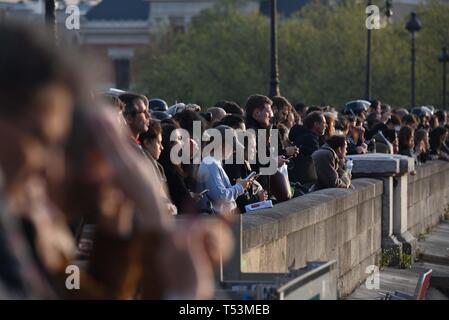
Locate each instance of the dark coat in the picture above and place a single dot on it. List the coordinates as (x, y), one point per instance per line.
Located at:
(405, 151)
(307, 141)
(264, 180)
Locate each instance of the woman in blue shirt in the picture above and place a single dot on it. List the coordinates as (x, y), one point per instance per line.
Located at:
(211, 175)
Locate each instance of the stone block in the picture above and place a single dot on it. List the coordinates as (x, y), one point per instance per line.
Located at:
(365, 216)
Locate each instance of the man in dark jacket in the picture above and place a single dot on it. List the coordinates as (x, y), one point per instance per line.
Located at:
(329, 164)
(306, 138)
(258, 117)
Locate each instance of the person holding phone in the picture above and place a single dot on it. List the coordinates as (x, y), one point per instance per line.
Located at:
(236, 172)
(222, 195)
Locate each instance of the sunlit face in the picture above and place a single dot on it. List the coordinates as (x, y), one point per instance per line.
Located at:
(54, 109)
(331, 127)
(320, 127)
(283, 113)
(140, 120)
(263, 116)
(154, 147)
(411, 141)
(290, 120)
(47, 126)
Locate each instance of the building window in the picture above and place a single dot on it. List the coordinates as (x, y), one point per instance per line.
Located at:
(122, 73)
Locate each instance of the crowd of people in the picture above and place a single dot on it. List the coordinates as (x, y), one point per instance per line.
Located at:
(71, 157)
(314, 144)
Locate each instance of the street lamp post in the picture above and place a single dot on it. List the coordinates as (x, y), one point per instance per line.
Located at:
(388, 13)
(274, 82)
(368, 63)
(413, 26)
(444, 58)
(50, 16)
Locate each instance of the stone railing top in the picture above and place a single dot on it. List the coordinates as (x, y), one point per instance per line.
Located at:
(270, 224)
(382, 164)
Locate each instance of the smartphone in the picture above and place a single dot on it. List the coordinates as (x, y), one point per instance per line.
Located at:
(252, 174)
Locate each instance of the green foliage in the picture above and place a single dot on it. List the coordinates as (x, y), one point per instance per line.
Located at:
(387, 257)
(406, 261)
(322, 53)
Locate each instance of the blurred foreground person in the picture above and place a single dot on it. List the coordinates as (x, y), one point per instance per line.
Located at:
(103, 179)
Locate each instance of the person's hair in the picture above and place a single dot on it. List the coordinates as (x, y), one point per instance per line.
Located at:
(280, 102)
(283, 133)
(113, 101)
(401, 112)
(296, 116)
(329, 116)
(154, 129)
(129, 100)
(390, 134)
(441, 116)
(404, 136)
(372, 119)
(374, 104)
(433, 121)
(314, 109)
(409, 120)
(342, 124)
(300, 107)
(254, 102)
(29, 61)
(232, 107)
(385, 108)
(312, 118)
(435, 137)
(420, 135)
(233, 121)
(336, 141)
(164, 159)
(222, 129)
(216, 112)
(186, 119)
(394, 120)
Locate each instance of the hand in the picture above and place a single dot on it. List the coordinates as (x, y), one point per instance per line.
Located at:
(361, 150)
(292, 151)
(186, 258)
(263, 195)
(196, 196)
(172, 210)
(282, 161)
(244, 183)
